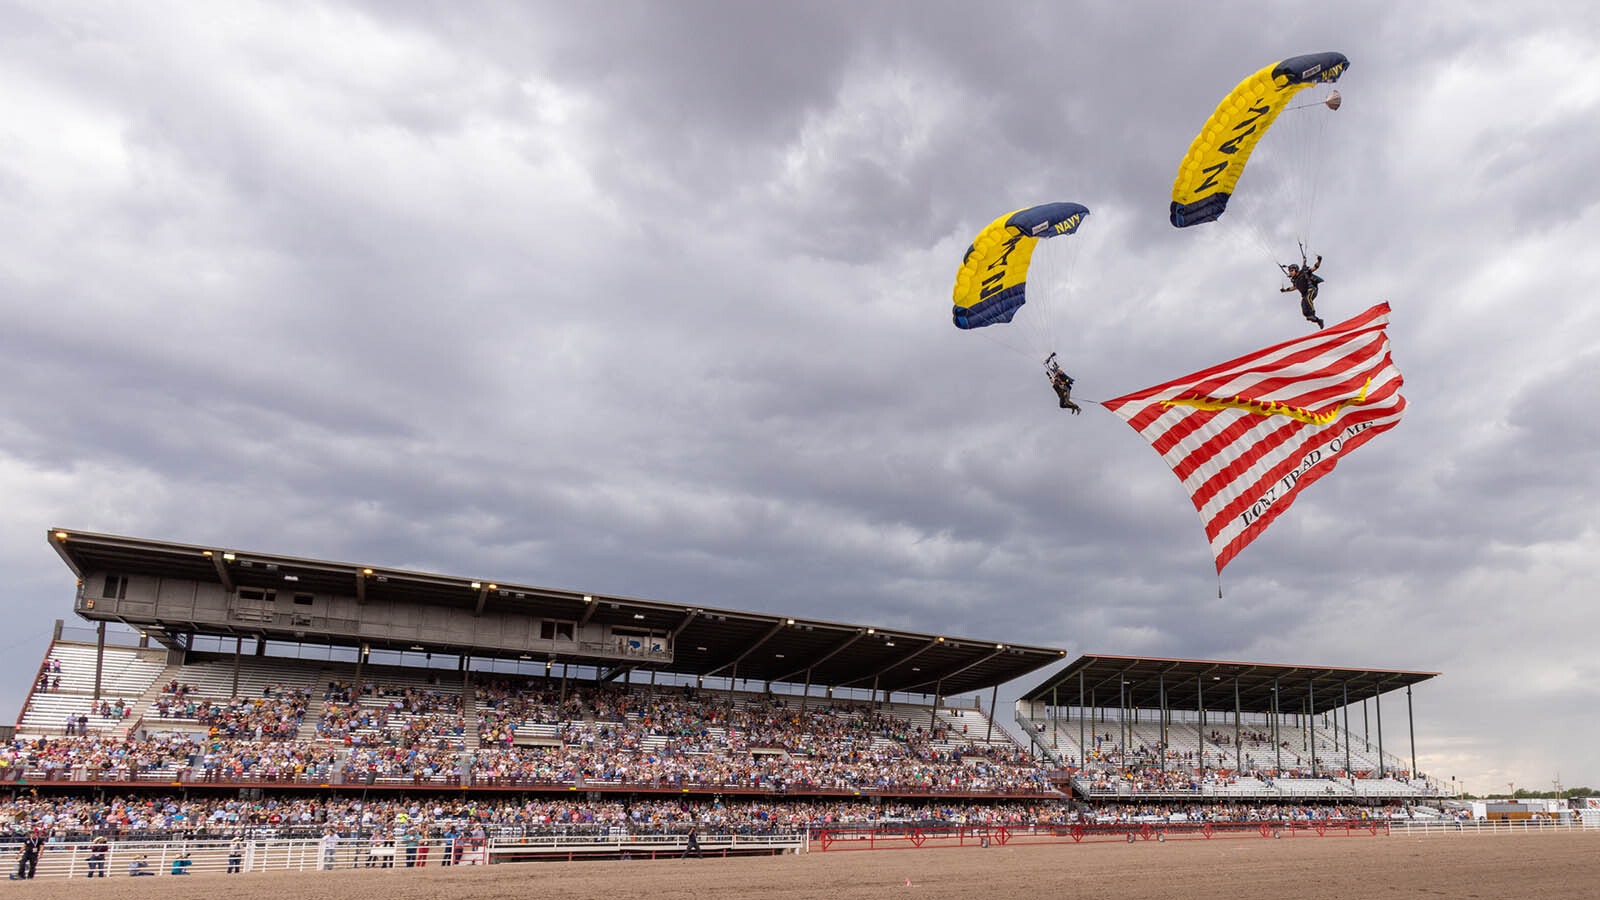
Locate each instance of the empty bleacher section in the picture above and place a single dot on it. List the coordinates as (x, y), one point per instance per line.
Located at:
(65, 686)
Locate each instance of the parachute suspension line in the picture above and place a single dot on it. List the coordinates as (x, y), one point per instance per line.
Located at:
(1049, 285)
(989, 335)
(1305, 145)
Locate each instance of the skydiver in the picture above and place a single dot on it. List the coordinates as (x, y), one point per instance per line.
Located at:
(1301, 279)
(1062, 382)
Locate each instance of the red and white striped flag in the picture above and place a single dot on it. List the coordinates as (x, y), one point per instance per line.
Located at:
(1246, 436)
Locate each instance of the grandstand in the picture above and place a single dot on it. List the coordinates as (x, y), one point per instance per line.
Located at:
(1227, 730)
(518, 687)
(297, 696)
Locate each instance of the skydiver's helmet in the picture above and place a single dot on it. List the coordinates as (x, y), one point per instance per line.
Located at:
(1294, 267)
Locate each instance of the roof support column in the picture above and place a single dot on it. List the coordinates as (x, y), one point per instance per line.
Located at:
(1411, 724)
(100, 658)
(1122, 717)
(805, 694)
(1084, 715)
(1277, 743)
(1161, 687)
(1055, 731)
(938, 700)
(1311, 705)
(238, 651)
(1347, 729)
(1200, 723)
(994, 697)
(1238, 761)
(1377, 705)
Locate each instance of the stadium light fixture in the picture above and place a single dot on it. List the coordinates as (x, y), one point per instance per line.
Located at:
(61, 535)
(367, 572)
(788, 621)
(205, 553)
(229, 557)
(587, 598)
(494, 587)
(476, 585)
(872, 631)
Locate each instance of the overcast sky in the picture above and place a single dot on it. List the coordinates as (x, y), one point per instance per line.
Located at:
(654, 299)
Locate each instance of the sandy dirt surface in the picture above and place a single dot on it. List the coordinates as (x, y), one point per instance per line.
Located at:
(1334, 868)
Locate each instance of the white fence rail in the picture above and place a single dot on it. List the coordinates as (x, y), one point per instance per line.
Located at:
(177, 858)
(1493, 826)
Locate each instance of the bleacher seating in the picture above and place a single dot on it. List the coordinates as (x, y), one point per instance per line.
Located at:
(1203, 760)
(126, 674)
(225, 718)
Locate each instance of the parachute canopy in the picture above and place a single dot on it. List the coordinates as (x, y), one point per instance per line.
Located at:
(1210, 170)
(992, 282)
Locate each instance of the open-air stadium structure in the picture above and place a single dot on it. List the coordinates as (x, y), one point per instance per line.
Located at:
(241, 680)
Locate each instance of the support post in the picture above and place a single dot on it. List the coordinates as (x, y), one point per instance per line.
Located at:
(100, 655)
(994, 697)
(1377, 705)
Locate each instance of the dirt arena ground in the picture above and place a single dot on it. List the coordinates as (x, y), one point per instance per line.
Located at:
(1333, 868)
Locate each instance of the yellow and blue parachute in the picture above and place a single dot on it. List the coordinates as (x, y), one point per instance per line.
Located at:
(993, 280)
(1210, 170)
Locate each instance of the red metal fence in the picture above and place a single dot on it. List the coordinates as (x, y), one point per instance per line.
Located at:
(911, 837)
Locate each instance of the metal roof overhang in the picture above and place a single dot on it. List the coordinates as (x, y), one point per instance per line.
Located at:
(1154, 683)
(706, 641)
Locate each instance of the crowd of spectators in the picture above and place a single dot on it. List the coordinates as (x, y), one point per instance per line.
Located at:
(401, 716)
(600, 735)
(142, 817)
(274, 716)
(541, 732)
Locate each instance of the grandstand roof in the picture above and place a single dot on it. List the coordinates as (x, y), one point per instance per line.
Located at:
(1188, 682)
(707, 641)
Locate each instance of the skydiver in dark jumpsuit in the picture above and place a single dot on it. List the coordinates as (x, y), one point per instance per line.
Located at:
(1301, 279)
(1062, 382)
